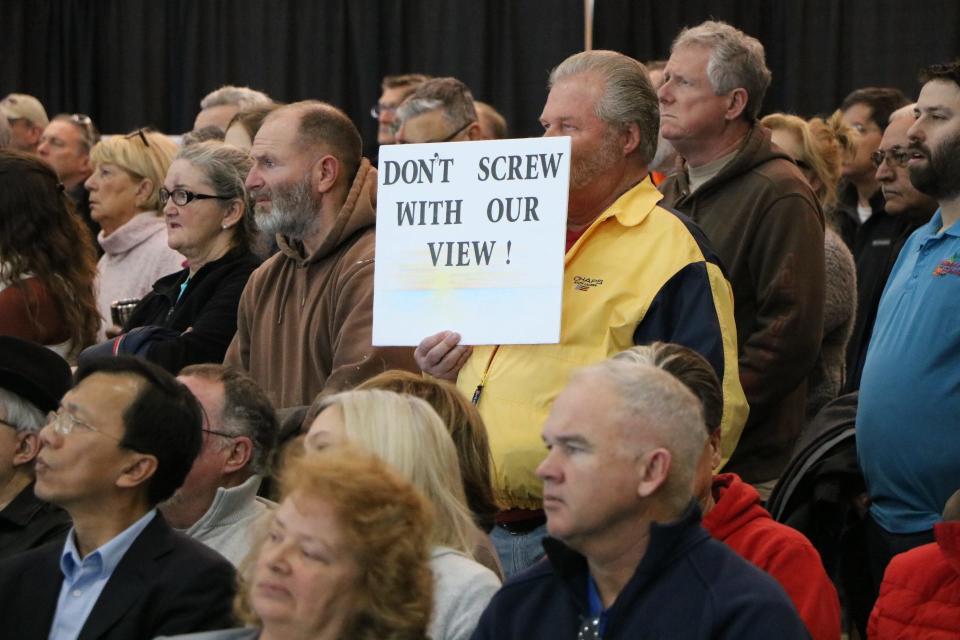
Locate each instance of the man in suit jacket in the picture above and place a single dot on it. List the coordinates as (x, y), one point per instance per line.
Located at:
(121, 442)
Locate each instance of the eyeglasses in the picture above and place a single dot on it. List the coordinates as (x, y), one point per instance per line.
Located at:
(895, 157)
(182, 197)
(222, 434)
(64, 423)
(378, 109)
(447, 139)
(139, 132)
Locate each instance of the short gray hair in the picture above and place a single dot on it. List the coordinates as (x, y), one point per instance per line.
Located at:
(449, 95)
(20, 412)
(226, 167)
(242, 97)
(736, 61)
(656, 402)
(246, 411)
(629, 96)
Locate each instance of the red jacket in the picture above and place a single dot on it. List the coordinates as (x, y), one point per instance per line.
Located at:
(738, 520)
(920, 595)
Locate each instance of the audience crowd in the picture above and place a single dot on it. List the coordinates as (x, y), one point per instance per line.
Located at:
(198, 438)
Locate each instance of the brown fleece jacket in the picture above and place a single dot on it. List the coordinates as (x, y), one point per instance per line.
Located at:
(766, 225)
(304, 322)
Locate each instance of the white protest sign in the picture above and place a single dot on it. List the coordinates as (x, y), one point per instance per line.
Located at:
(471, 238)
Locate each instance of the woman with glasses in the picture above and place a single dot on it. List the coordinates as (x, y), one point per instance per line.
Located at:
(818, 148)
(47, 260)
(406, 433)
(125, 201)
(209, 219)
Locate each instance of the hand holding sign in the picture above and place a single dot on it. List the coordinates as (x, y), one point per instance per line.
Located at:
(470, 238)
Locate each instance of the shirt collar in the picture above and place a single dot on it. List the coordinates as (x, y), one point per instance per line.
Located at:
(107, 556)
(933, 227)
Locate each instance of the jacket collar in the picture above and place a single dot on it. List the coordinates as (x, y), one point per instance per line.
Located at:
(136, 231)
(668, 543)
(228, 506)
(23, 508)
(736, 504)
(125, 585)
(169, 285)
(630, 209)
(947, 535)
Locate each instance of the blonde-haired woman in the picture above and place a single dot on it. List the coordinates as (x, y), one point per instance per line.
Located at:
(128, 172)
(818, 148)
(409, 435)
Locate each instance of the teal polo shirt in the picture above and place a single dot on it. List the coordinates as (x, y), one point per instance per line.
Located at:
(908, 420)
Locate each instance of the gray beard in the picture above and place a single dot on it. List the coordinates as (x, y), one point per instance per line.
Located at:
(293, 211)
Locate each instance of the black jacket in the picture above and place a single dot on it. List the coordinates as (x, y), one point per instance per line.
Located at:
(29, 522)
(208, 308)
(688, 585)
(166, 583)
(875, 245)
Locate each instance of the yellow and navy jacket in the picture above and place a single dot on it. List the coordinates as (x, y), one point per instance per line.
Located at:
(638, 274)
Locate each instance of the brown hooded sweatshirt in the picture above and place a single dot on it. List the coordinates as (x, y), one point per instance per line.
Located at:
(304, 322)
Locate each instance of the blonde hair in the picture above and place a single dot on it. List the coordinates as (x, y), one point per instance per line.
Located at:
(408, 435)
(466, 427)
(139, 160)
(823, 143)
(384, 521)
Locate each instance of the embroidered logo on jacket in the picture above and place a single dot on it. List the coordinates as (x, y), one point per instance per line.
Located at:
(581, 283)
(948, 266)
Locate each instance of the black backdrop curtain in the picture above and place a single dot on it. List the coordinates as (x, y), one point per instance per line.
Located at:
(818, 50)
(129, 63)
(135, 62)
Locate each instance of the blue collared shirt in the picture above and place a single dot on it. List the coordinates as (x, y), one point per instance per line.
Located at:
(84, 579)
(908, 420)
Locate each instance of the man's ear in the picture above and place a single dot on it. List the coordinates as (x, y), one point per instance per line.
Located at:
(736, 104)
(654, 468)
(140, 469)
(715, 449)
(325, 172)
(631, 138)
(241, 450)
(27, 448)
(474, 132)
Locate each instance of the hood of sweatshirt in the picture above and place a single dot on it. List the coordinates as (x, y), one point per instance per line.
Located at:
(737, 503)
(358, 212)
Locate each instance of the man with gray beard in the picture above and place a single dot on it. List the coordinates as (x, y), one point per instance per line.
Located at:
(304, 322)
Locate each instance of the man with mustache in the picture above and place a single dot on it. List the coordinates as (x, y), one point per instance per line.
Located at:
(305, 317)
(906, 436)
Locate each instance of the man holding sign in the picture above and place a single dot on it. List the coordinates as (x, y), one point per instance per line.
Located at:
(634, 272)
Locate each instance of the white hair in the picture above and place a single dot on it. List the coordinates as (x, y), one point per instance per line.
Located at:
(20, 412)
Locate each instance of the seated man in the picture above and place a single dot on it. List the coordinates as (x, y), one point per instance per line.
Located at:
(439, 110)
(218, 503)
(122, 442)
(627, 558)
(305, 317)
(732, 512)
(32, 381)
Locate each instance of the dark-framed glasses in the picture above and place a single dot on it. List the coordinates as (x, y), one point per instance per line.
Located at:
(65, 423)
(895, 157)
(182, 197)
(447, 139)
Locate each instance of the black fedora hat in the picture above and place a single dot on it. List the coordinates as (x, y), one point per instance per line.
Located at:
(33, 372)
